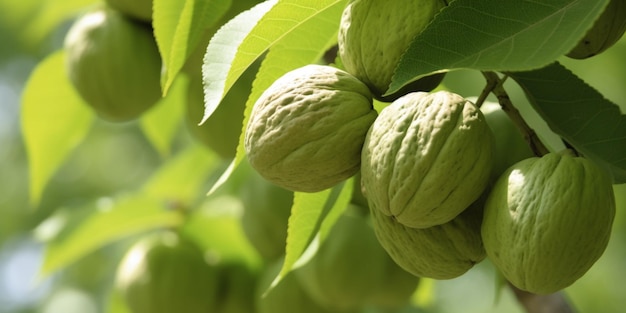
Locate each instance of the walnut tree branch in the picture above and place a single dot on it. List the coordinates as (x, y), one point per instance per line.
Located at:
(491, 84)
(530, 135)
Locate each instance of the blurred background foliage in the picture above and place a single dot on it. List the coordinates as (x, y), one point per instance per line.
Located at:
(114, 158)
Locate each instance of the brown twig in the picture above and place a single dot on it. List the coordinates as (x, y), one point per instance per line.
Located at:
(533, 303)
(530, 135)
(491, 84)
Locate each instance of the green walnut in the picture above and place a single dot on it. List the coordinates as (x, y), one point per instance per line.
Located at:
(441, 252)
(547, 220)
(138, 9)
(265, 217)
(307, 129)
(337, 276)
(165, 272)
(604, 33)
(114, 64)
(373, 36)
(426, 158)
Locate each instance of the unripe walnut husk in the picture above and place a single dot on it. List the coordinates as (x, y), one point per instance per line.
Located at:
(547, 221)
(307, 129)
(426, 158)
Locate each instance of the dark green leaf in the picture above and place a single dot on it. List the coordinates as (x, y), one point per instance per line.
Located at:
(580, 114)
(487, 35)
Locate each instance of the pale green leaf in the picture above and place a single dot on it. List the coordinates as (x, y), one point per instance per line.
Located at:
(304, 45)
(175, 186)
(178, 27)
(20, 12)
(339, 206)
(216, 226)
(54, 121)
(117, 303)
(161, 123)
(489, 35)
(424, 296)
(109, 222)
(222, 52)
(313, 214)
(35, 20)
(181, 179)
(235, 47)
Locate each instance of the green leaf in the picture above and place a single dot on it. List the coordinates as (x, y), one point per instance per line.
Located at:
(424, 295)
(109, 222)
(236, 46)
(181, 179)
(35, 20)
(313, 215)
(304, 45)
(222, 54)
(217, 227)
(175, 185)
(489, 35)
(54, 121)
(116, 302)
(178, 27)
(579, 114)
(162, 121)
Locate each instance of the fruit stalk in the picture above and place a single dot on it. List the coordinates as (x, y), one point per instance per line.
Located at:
(538, 148)
(533, 303)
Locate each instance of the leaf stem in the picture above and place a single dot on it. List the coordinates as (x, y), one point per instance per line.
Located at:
(498, 90)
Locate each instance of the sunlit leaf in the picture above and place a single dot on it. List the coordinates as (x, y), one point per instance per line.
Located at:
(178, 27)
(313, 214)
(580, 114)
(304, 45)
(424, 295)
(117, 303)
(34, 20)
(110, 222)
(216, 226)
(180, 179)
(161, 123)
(54, 121)
(15, 13)
(486, 35)
(236, 46)
(160, 203)
(221, 54)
